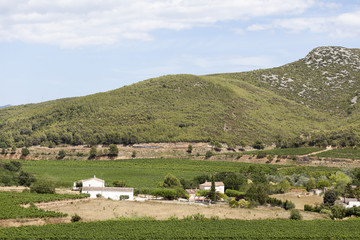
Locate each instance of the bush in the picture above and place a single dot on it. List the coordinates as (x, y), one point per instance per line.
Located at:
(113, 150)
(209, 154)
(258, 145)
(261, 155)
(124, 197)
(233, 203)
(61, 154)
(243, 203)
(119, 184)
(75, 218)
(190, 148)
(295, 214)
(274, 202)
(42, 187)
(288, 205)
(338, 211)
(25, 152)
(169, 194)
(234, 193)
(93, 152)
(308, 208)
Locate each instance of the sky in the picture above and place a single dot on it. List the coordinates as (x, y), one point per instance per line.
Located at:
(65, 48)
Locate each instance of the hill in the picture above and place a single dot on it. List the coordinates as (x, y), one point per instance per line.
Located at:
(314, 94)
(5, 106)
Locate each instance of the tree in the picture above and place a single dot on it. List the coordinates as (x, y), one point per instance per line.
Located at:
(93, 152)
(310, 184)
(25, 179)
(257, 193)
(330, 197)
(25, 152)
(357, 192)
(42, 187)
(113, 150)
(13, 149)
(284, 186)
(322, 183)
(134, 154)
(209, 154)
(190, 148)
(212, 190)
(170, 181)
(348, 191)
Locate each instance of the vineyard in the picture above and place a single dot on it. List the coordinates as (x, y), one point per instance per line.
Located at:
(10, 204)
(341, 153)
(146, 173)
(195, 229)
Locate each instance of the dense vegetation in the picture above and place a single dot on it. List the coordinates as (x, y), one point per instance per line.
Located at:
(10, 204)
(279, 105)
(341, 153)
(186, 229)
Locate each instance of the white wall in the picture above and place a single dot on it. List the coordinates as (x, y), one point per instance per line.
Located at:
(220, 189)
(109, 194)
(93, 183)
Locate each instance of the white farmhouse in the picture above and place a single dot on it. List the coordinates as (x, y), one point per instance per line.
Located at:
(113, 193)
(219, 186)
(96, 187)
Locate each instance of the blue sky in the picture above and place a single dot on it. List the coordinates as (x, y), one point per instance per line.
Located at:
(62, 48)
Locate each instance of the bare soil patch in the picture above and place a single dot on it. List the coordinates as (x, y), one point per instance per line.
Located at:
(299, 201)
(102, 209)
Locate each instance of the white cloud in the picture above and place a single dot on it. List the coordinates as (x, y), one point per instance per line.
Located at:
(71, 23)
(346, 25)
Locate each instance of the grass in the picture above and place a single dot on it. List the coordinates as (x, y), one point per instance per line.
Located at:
(341, 153)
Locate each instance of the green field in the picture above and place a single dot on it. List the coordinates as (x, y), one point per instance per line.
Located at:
(135, 172)
(10, 204)
(281, 151)
(194, 229)
(341, 153)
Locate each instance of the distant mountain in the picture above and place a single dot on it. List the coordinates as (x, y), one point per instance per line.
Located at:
(314, 95)
(5, 106)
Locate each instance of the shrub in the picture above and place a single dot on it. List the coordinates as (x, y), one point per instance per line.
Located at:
(190, 148)
(295, 214)
(209, 154)
(75, 218)
(98, 195)
(338, 211)
(233, 203)
(243, 203)
(288, 205)
(233, 193)
(133, 154)
(258, 145)
(261, 155)
(169, 194)
(43, 187)
(93, 152)
(326, 211)
(61, 154)
(275, 202)
(308, 208)
(25, 152)
(113, 150)
(124, 197)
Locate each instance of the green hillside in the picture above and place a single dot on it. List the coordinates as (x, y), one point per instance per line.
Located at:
(312, 95)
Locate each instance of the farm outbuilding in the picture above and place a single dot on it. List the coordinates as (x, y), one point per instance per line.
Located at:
(219, 186)
(114, 193)
(96, 187)
(91, 182)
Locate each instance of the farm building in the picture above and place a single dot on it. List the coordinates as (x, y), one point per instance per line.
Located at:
(91, 182)
(96, 187)
(114, 193)
(219, 186)
(353, 204)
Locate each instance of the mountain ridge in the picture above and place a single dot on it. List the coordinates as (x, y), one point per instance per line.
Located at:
(314, 94)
